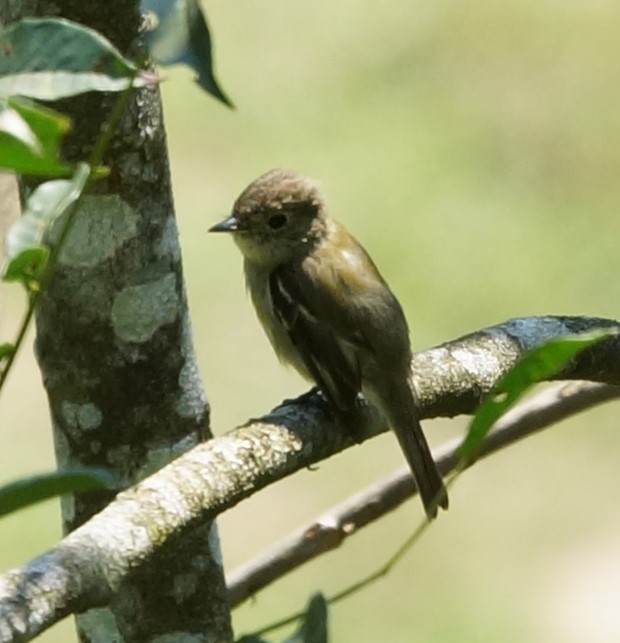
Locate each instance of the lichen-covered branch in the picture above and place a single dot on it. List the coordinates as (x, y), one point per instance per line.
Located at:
(90, 565)
(452, 378)
(333, 527)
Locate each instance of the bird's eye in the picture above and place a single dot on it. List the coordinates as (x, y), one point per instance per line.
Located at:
(276, 221)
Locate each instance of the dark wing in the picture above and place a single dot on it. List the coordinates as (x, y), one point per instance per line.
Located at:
(329, 356)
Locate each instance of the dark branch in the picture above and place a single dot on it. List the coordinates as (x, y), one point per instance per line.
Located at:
(452, 378)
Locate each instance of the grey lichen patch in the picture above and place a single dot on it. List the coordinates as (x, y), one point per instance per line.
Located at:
(475, 359)
(139, 311)
(168, 246)
(95, 447)
(214, 545)
(259, 444)
(179, 637)
(61, 446)
(191, 401)
(99, 626)
(102, 224)
(159, 456)
(67, 504)
(201, 562)
(118, 458)
(69, 413)
(91, 296)
(85, 417)
(184, 586)
(89, 416)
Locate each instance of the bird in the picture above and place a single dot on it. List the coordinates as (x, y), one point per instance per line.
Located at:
(328, 312)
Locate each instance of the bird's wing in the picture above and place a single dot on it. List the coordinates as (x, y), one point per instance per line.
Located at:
(329, 358)
(329, 306)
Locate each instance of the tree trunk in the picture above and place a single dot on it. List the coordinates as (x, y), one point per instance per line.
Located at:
(115, 348)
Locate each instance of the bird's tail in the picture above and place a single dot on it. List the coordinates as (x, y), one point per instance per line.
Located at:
(426, 475)
(402, 415)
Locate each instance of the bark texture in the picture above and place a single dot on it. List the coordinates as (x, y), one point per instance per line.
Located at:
(115, 348)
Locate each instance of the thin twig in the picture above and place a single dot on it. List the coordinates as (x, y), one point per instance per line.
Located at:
(331, 529)
(21, 334)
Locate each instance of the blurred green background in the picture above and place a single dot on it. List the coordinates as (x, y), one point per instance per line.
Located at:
(474, 149)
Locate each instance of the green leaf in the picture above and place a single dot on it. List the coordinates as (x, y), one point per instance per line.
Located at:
(15, 127)
(52, 58)
(313, 628)
(181, 35)
(30, 137)
(28, 491)
(537, 365)
(6, 350)
(27, 266)
(26, 256)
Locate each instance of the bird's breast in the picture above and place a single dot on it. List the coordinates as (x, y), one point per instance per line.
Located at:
(257, 282)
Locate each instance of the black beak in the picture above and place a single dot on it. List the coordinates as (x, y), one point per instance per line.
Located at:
(231, 224)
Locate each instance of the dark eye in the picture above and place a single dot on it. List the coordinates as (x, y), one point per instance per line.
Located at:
(276, 221)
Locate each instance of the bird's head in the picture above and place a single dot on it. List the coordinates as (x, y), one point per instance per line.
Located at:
(277, 217)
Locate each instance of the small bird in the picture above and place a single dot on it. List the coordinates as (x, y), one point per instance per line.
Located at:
(328, 312)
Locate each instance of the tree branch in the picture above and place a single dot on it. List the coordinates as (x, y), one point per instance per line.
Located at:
(331, 529)
(88, 567)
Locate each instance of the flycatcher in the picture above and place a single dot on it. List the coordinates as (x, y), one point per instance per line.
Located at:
(328, 312)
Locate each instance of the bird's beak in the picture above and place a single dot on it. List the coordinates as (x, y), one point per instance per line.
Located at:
(230, 224)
